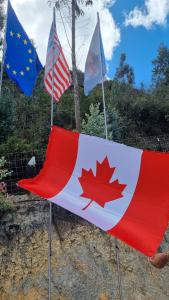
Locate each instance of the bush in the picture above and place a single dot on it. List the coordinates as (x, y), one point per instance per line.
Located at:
(3, 172)
(5, 205)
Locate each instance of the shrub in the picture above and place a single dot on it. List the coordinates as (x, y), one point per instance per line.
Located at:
(5, 205)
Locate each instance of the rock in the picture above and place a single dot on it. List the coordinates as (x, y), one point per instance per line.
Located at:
(103, 297)
(83, 259)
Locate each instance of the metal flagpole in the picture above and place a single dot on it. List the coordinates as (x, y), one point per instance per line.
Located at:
(104, 107)
(50, 204)
(2, 69)
(118, 268)
(3, 54)
(103, 93)
(106, 134)
(50, 249)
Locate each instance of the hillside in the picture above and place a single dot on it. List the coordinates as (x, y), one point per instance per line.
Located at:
(83, 259)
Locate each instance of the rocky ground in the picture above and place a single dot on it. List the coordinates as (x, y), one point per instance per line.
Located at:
(83, 259)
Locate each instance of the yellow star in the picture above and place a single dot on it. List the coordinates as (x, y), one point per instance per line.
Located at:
(18, 35)
(30, 60)
(30, 51)
(11, 33)
(27, 68)
(25, 42)
(22, 73)
(14, 72)
(7, 66)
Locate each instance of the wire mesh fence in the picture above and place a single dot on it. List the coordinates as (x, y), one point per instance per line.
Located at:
(155, 143)
(17, 162)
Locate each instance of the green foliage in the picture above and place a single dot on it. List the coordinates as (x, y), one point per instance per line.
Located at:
(117, 122)
(5, 205)
(94, 123)
(6, 112)
(15, 145)
(131, 112)
(161, 67)
(3, 171)
(124, 72)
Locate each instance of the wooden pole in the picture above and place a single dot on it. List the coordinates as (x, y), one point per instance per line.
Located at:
(74, 69)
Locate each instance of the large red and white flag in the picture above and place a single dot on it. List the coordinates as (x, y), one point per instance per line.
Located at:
(57, 75)
(122, 190)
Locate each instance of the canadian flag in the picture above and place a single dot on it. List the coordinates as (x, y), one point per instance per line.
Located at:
(122, 190)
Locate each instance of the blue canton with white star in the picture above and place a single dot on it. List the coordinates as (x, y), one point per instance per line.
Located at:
(21, 60)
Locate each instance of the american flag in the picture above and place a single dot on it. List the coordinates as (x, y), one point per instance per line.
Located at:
(56, 68)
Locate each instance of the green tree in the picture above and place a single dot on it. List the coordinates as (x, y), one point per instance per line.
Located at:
(124, 73)
(94, 122)
(161, 67)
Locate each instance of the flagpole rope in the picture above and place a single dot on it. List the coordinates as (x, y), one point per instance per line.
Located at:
(82, 54)
(65, 29)
(3, 53)
(106, 135)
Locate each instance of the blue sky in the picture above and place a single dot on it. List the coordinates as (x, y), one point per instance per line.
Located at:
(136, 27)
(139, 43)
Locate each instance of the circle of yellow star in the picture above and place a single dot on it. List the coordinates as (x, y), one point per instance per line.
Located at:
(25, 42)
(22, 73)
(30, 60)
(30, 51)
(18, 35)
(14, 72)
(27, 68)
(7, 66)
(11, 33)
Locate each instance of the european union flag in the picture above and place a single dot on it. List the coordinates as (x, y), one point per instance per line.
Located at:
(21, 60)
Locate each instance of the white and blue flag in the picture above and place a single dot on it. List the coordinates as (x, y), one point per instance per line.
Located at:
(95, 67)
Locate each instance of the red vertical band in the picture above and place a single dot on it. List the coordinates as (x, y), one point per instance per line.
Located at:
(60, 161)
(145, 221)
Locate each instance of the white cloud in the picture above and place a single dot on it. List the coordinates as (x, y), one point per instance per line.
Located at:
(36, 18)
(154, 12)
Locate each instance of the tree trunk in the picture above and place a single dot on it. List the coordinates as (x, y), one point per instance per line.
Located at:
(74, 69)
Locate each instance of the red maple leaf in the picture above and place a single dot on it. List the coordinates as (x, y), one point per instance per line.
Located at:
(98, 188)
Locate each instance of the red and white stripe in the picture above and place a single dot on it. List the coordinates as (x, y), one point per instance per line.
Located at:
(57, 75)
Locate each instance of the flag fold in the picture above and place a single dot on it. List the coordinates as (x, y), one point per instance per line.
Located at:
(95, 67)
(57, 75)
(121, 189)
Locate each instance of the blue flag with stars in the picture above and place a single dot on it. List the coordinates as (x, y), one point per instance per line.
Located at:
(21, 60)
